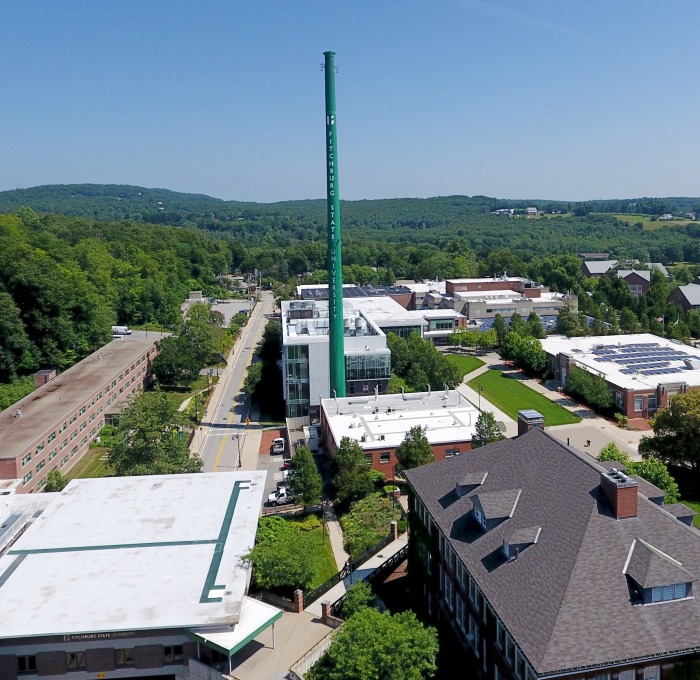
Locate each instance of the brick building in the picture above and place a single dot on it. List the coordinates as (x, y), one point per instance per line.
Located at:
(642, 370)
(538, 563)
(379, 424)
(53, 426)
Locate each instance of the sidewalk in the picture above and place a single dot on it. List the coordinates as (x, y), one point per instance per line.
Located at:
(511, 427)
(593, 428)
(364, 570)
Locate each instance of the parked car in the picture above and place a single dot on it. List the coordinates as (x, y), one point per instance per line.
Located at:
(280, 497)
(278, 445)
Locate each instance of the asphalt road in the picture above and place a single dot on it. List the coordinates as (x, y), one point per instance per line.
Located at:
(223, 432)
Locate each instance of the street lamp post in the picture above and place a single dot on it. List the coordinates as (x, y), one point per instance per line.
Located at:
(481, 388)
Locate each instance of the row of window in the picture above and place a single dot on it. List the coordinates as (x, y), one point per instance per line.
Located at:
(83, 410)
(384, 457)
(77, 660)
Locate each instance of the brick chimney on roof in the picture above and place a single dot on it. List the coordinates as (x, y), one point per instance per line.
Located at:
(529, 418)
(621, 492)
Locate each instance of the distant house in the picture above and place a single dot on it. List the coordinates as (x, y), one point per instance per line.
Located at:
(594, 256)
(666, 217)
(639, 282)
(597, 268)
(687, 297)
(530, 211)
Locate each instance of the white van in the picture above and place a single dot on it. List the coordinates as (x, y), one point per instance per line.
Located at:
(121, 330)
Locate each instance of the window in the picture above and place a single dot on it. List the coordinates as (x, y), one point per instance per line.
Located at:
(83, 425)
(519, 665)
(500, 635)
(124, 657)
(368, 458)
(83, 441)
(638, 403)
(460, 612)
(73, 434)
(91, 418)
(449, 591)
(627, 675)
(41, 466)
(172, 653)
(42, 483)
(40, 447)
(64, 460)
(651, 402)
(64, 443)
(602, 676)
(52, 455)
(479, 517)
(666, 593)
(451, 452)
(461, 574)
(619, 400)
(99, 396)
(27, 478)
(74, 450)
(510, 648)
(384, 457)
(52, 436)
(475, 633)
(26, 459)
(26, 663)
(63, 427)
(73, 418)
(75, 660)
(82, 410)
(652, 672)
(472, 591)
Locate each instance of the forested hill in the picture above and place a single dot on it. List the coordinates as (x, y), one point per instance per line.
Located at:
(160, 206)
(64, 281)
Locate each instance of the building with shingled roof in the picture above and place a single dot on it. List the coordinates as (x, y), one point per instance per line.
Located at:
(544, 564)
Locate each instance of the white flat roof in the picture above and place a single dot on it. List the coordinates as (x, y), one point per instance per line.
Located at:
(636, 362)
(132, 554)
(255, 617)
(448, 418)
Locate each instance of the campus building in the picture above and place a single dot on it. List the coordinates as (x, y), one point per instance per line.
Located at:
(379, 423)
(366, 321)
(479, 299)
(538, 563)
(130, 577)
(53, 426)
(642, 370)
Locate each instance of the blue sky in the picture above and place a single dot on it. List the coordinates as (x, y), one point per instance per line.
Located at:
(558, 99)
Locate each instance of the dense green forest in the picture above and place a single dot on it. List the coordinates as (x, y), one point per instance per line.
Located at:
(64, 282)
(75, 259)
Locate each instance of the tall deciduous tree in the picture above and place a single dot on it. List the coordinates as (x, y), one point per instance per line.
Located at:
(592, 389)
(486, 430)
(414, 450)
(304, 478)
(376, 645)
(353, 475)
(676, 431)
(149, 441)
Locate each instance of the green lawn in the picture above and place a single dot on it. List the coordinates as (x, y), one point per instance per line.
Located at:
(91, 465)
(510, 396)
(464, 362)
(321, 557)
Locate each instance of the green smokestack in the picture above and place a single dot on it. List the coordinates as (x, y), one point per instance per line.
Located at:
(335, 268)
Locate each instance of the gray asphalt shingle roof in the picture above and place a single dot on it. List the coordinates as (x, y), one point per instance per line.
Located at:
(565, 600)
(650, 567)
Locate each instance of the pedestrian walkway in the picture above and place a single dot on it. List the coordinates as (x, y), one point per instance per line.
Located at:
(591, 434)
(336, 536)
(359, 574)
(479, 401)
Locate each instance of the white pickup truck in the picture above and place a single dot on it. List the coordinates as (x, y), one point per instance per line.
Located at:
(280, 497)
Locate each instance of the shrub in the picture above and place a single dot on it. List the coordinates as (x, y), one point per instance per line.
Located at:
(621, 419)
(367, 522)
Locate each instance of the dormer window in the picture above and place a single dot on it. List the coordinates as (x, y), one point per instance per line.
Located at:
(479, 516)
(655, 576)
(666, 593)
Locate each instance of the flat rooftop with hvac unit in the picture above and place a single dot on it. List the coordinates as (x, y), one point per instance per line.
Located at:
(379, 423)
(118, 575)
